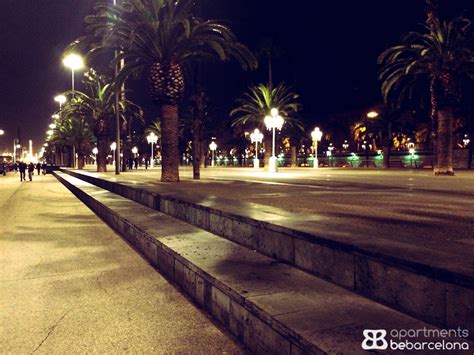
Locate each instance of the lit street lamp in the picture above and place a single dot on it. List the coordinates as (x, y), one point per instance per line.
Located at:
(134, 151)
(274, 121)
(372, 114)
(256, 137)
(345, 145)
(316, 135)
(60, 99)
(212, 147)
(95, 151)
(113, 146)
(466, 140)
(2, 132)
(152, 138)
(74, 62)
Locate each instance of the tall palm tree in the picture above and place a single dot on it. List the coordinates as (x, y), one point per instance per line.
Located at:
(436, 60)
(257, 102)
(97, 105)
(163, 37)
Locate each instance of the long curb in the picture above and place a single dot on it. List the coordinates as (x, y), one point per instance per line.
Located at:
(259, 331)
(434, 295)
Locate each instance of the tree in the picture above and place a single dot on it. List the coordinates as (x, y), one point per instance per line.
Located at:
(163, 37)
(74, 132)
(97, 105)
(257, 102)
(436, 61)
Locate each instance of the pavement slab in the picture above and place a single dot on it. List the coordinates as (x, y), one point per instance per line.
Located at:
(70, 284)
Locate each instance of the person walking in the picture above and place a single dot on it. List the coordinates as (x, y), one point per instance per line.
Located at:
(22, 168)
(38, 168)
(31, 170)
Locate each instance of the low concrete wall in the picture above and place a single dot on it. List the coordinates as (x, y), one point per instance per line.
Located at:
(434, 295)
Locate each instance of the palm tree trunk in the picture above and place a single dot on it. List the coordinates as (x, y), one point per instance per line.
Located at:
(169, 142)
(197, 139)
(444, 151)
(387, 147)
(80, 161)
(293, 156)
(102, 147)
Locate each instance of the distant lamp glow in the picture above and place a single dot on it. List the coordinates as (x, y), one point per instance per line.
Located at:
(113, 146)
(466, 140)
(275, 121)
(212, 147)
(135, 150)
(345, 145)
(152, 138)
(256, 137)
(2, 132)
(372, 114)
(316, 136)
(60, 99)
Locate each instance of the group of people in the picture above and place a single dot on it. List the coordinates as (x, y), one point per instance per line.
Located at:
(132, 162)
(30, 167)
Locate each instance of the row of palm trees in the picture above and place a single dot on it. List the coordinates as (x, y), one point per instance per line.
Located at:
(168, 44)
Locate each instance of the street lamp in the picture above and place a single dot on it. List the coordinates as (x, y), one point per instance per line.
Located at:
(134, 151)
(274, 121)
(316, 135)
(372, 114)
(2, 132)
(212, 147)
(345, 145)
(60, 99)
(466, 140)
(95, 151)
(74, 62)
(256, 137)
(152, 138)
(113, 146)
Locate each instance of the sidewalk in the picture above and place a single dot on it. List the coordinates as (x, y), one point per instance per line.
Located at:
(69, 284)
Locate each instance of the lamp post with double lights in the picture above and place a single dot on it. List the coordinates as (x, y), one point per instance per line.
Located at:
(256, 137)
(274, 121)
(316, 136)
(212, 147)
(152, 138)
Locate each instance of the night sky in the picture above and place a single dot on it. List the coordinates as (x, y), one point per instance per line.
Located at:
(329, 51)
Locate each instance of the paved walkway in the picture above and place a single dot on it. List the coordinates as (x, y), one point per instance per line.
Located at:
(69, 284)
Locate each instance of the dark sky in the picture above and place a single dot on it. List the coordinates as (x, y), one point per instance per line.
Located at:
(329, 51)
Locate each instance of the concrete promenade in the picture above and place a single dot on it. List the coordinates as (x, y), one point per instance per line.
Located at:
(69, 284)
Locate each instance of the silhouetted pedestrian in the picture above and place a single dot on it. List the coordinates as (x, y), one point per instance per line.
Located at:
(38, 168)
(31, 170)
(130, 163)
(22, 168)
(146, 162)
(135, 161)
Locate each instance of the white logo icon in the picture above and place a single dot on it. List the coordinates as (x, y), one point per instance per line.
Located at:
(374, 339)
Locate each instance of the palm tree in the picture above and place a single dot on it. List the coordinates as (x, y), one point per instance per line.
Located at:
(97, 105)
(257, 102)
(74, 132)
(435, 60)
(162, 37)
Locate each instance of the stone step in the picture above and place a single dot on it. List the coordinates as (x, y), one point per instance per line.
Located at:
(430, 284)
(270, 306)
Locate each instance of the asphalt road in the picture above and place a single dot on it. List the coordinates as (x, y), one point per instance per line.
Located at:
(69, 284)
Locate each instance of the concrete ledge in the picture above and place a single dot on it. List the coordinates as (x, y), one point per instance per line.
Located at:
(271, 307)
(406, 284)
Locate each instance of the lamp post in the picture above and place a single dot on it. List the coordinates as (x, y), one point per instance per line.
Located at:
(466, 140)
(134, 151)
(256, 137)
(60, 99)
(113, 147)
(412, 155)
(212, 147)
(95, 151)
(316, 135)
(74, 62)
(345, 145)
(152, 138)
(273, 121)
